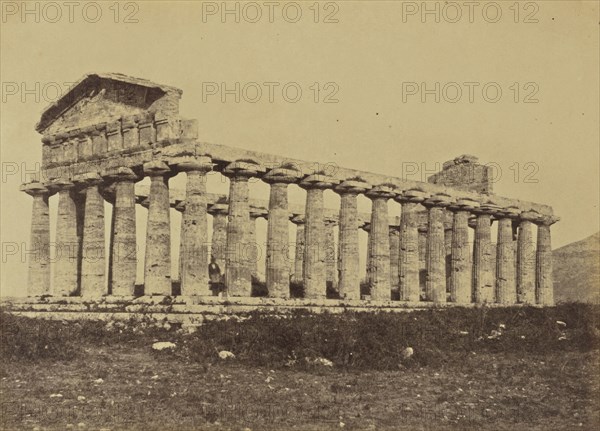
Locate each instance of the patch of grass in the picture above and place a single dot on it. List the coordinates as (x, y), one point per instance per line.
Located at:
(376, 341)
(33, 340)
(359, 341)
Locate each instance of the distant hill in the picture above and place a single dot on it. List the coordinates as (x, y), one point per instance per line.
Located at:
(576, 271)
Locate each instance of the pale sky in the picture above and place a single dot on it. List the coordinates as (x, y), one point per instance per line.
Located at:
(374, 51)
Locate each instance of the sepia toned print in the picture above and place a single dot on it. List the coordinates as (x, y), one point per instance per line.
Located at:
(300, 215)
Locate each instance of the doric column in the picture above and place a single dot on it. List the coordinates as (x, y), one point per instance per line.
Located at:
(39, 257)
(157, 264)
(379, 242)
(238, 281)
(254, 249)
(277, 272)
(435, 284)
(366, 226)
(526, 258)
(315, 285)
(483, 256)
(349, 282)
(123, 247)
(544, 290)
(330, 253)
(422, 246)
(461, 271)
(193, 249)
(299, 253)
(394, 235)
(93, 279)
(218, 243)
(506, 283)
(67, 242)
(448, 224)
(408, 260)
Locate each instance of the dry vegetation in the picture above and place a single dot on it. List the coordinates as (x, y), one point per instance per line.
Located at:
(480, 369)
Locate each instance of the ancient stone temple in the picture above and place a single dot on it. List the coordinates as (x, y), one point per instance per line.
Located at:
(110, 131)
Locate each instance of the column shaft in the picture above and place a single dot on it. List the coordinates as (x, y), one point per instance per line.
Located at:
(349, 249)
(124, 246)
(194, 237)
(408, 263)
(277, 272)
(219, 238)
(314, 254)
(330, 256)
(525, 264)
(67, 245)
(483, 263)
(379, 245)
(435, 285)
(544, 291)
(252, 252)
(39, 259)
(506, 287)
(299, 256)
(461, 272)
(93, 258)
(238, 281)
(394, 238)
(158, 239)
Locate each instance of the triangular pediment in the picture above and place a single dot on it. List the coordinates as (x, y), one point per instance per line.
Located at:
(99, 98)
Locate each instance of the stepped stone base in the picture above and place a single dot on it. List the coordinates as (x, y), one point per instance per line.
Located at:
(195, 310)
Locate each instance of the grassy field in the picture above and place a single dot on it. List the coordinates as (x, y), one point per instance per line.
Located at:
(494, 369)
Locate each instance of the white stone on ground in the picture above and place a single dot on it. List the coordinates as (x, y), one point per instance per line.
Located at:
(161, 345)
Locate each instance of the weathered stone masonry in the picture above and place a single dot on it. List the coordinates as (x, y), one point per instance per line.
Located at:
(110, 131)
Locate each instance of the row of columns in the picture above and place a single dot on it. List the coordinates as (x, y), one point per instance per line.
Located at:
(392, 256)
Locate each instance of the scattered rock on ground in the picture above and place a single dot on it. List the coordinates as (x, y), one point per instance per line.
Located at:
(161, 345)
(226, 354)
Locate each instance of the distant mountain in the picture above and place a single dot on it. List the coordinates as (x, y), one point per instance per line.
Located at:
(576, 271)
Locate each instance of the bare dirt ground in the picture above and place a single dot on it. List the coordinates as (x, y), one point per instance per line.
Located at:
(132, 387)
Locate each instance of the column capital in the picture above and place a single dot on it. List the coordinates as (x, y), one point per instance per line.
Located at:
(382, 191)
(298, 219)
(530, 216)
(464, 204)
(34, 188)
(256, 212)
(59, 184)
(411, 196)
(156, 168)
(119, 173)
(486, 208)
(191, 163)
(547, 220)
(87, 179)
(438, 200)
(507, 213)
(242, 169)
(318, 181)
(282, 175)
(352, 186)
(218, 208)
